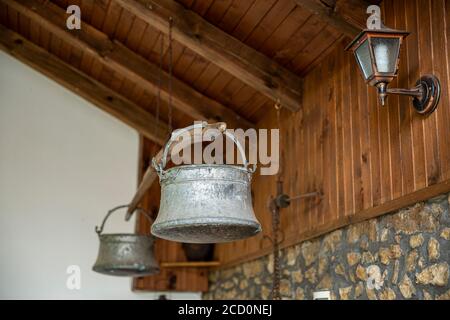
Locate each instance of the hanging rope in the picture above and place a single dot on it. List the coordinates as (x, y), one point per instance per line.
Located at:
(158, 100)
(170, 72)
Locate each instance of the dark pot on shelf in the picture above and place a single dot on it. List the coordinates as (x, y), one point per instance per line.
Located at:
(198, 251)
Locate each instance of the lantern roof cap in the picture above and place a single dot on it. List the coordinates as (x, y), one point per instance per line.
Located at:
(383, 30)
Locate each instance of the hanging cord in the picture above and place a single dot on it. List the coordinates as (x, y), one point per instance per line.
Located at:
(275, 210)
(158, 100)
(170, 72)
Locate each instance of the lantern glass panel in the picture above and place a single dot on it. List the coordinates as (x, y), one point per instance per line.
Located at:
(386, 52)
(364, 59)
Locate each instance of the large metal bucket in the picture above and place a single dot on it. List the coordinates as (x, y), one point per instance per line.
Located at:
(205, 203)
(124, 254)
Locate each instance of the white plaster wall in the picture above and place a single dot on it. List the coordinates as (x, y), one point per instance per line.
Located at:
(63, 164)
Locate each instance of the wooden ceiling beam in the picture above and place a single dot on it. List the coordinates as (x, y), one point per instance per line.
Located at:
(331, 14)
(88, 88)
(245, 63)
(129, 64)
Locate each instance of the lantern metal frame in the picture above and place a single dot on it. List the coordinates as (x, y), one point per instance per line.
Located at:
(427, 90)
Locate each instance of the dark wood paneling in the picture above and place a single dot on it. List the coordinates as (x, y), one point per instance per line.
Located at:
(279, 29)
(367, 159)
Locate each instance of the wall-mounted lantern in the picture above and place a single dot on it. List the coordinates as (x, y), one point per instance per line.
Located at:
(377, 54)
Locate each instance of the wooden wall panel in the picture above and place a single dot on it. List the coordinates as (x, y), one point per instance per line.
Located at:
(368, 160)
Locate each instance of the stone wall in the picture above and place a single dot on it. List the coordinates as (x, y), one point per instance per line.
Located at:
(403, 255)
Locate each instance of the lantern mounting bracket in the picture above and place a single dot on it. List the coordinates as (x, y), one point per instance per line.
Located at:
(377, 52)
(425, 94)
(283, 200)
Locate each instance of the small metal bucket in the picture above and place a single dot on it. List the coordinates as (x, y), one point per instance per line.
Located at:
(125, 254)
(205, 203)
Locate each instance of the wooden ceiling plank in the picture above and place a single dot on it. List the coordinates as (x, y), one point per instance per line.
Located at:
(252, 19)
(300, 40)
(24, 26)
(221, 79)
(186, 59)
(234, 15)
(184, 97)
(55, 44)
(124, 26)
(217, 10)
(144, 99)
(228, 22)
(83, 85)
(116, 81)
(208, 75)
(116, 56)
(224, 85)
(44, 38)
(187, 3)
(66, 49)
(232, 89)
(76, 57)
(333, 16)
(136, 34)
(99, 12)
(195, 69)
(13, 18)
(202, 7)
(326, 38)
(216, 87)
(230, 54)
(96, 69)
(284, 32)
(87, 7)
(323, 55)
(236, 92)
(113, 15)
(87, 61)
(35, 31)
(183, 53)
(258, 107)
(106, 78)
(126, 87)
(270, 23)
(244, 97)
(177, 53)
(148, 42)
(3, 14)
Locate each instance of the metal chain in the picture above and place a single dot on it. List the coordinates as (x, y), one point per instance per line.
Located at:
(278, 107)
(158, 101)
(170, 72)
(276, 295)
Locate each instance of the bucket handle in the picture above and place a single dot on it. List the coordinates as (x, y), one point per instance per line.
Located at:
(100, 230)
(221, 126)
